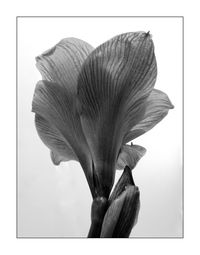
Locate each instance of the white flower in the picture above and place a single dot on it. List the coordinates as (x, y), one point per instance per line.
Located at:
(91, 102)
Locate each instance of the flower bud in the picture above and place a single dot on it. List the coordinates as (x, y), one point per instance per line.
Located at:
(125, 180)
(122, 214)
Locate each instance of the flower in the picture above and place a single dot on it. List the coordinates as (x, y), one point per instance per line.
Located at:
(91, 102)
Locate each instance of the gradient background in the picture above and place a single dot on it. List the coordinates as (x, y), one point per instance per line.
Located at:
(55, 201)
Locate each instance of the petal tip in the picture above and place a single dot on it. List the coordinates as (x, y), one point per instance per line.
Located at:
(54, 159)
(171, 106)
(46, 53)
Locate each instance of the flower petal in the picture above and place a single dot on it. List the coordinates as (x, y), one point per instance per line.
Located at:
(62, 63)
(113, 85)
(122, 214)
(158, 105)
(54, 140)
(58, 107)
(57, 158)
(129, 156)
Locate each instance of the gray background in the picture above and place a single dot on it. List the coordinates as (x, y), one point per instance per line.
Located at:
(55, 201)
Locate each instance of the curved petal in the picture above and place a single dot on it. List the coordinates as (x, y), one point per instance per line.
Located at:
(113, 85)
(158, 105)
(62, 63)
(58, 107)
(57, 158)
(129, 156)
(54, 140)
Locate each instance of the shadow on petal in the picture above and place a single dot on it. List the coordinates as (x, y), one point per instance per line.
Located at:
(62, 63)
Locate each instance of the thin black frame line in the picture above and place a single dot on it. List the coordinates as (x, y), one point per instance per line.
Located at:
(16, 127)
(83, 237)
(183, 59)
(183, 83)
(101, 16)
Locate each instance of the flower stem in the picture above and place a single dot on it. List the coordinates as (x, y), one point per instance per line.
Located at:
(95, 229)
(98, 210)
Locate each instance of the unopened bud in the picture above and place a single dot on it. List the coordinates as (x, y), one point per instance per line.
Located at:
(122, 214)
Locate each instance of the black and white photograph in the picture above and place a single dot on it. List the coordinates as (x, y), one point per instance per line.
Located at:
(100, 127)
